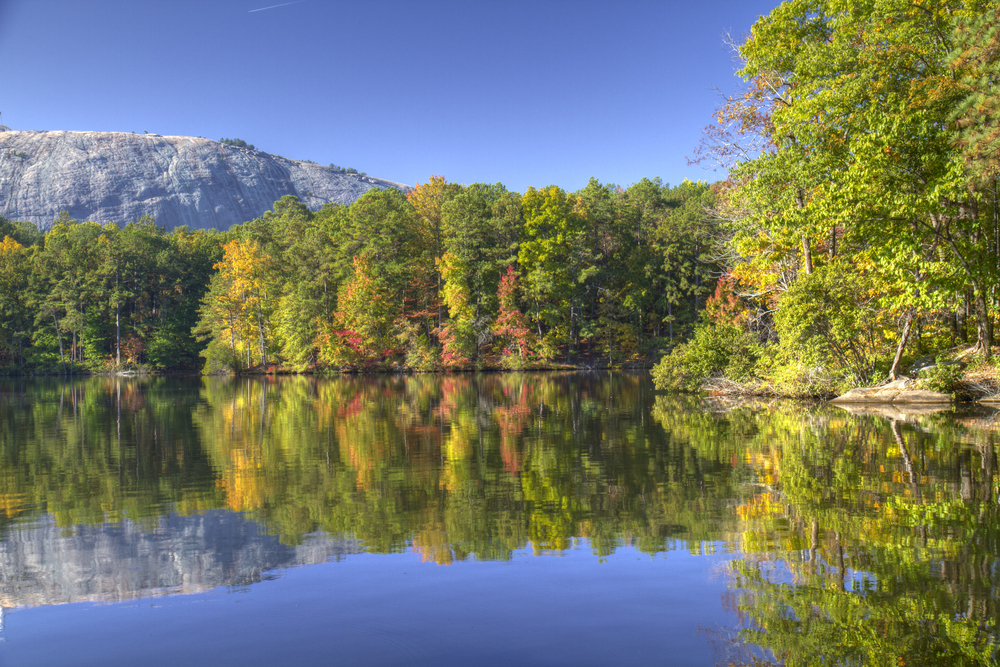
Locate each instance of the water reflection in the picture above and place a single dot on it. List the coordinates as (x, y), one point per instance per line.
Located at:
(860, 539)
(45, 564)
(866, 540)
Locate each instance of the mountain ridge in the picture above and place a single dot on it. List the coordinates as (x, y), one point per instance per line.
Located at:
(120, 177)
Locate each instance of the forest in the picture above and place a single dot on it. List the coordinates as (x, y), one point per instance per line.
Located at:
(857, 231)
(443, 277)
(861, 216)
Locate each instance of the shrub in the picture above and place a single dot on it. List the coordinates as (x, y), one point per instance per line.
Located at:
(726, 350)
(943, 376)
(827, 320)
(238, 143)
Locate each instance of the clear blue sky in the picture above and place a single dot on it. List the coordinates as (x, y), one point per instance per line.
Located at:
(524, 93)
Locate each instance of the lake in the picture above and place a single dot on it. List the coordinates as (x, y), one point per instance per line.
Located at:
(523, 519)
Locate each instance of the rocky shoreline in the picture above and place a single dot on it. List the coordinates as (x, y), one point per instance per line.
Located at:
(903, 390)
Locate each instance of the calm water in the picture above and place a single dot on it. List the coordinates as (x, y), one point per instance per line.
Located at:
(556, 519)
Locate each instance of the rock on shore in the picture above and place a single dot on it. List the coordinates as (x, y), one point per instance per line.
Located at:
(903, 390)
(119, 177)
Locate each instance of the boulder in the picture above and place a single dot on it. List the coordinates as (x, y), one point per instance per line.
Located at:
(903, 390)
(920, 364)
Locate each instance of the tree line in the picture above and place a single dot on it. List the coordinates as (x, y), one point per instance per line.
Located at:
(442, 277)
(862, 214)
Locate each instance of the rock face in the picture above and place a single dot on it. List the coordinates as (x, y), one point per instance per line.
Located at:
(119, 177)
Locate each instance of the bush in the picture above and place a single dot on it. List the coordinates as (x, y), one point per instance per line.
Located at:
(237, 143)
(943, 376)
(726, 350)
(827, 321)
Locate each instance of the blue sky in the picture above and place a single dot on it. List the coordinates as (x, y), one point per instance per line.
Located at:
(524, 93)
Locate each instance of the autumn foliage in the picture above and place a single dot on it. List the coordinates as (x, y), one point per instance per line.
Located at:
(512, 325)
(444, 277)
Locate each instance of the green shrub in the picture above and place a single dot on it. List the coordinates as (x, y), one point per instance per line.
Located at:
(944, 377)
(828, 322)
(726, 350)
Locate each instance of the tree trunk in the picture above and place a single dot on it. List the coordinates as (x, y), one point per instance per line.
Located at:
(807, 260)
(260, 329)
(984, 326)
(894, 371)
(697, 286)
(641, 327)
(670, 314)
(232, 340)
(62, 358)
(962, 315)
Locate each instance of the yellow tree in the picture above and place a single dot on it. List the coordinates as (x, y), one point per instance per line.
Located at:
(427, 201)
(239, 305)
(15, 320)
(457, 335)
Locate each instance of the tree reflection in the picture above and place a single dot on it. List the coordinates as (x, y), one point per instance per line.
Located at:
(861, 540)
(867, 541)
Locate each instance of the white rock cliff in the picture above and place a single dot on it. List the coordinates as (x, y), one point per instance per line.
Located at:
(119, 177)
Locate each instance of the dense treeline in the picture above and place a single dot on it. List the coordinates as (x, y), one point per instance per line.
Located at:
(442, 277)
(862, 213)
(100, 297)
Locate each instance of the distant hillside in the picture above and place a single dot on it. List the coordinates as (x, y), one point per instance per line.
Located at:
(119, 177)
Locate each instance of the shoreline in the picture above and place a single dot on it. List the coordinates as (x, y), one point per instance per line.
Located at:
(400, 370)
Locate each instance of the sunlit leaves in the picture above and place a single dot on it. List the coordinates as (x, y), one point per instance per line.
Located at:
(239, 306)
(362, 331)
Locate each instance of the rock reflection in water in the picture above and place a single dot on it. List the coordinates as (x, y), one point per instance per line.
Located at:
(44, 564)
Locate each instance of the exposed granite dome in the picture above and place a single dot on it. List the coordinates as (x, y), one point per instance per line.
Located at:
(119, 177)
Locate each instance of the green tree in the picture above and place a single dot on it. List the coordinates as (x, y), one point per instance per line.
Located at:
(481, 227)
(186, 266)
(68, 280)
(552, 255)
(305, 280)
(850, 103)
(976, 57)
